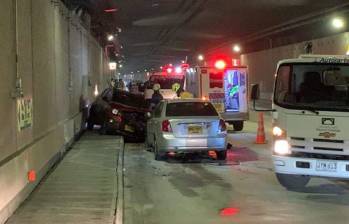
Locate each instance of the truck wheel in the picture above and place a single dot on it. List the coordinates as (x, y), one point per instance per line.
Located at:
(221, 155)
(238, 125)
(292, 182)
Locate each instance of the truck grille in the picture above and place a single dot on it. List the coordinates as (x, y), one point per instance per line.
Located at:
(320, 146)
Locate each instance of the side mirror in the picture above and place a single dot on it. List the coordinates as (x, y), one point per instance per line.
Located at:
(255, 92)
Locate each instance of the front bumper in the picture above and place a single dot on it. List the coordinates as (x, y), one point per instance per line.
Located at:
(168, 142)
(287, 165)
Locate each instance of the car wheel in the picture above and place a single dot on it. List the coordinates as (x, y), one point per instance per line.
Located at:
(292, 182)
(221, 155)
(238, 125)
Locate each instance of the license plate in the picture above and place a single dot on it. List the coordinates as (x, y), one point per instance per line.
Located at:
(129, 128)
(195, 130)
(327, 166)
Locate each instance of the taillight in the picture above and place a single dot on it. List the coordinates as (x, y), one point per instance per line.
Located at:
(166, 126)
(222, 126)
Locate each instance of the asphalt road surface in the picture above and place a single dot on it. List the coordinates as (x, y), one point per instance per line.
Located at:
(242, 189)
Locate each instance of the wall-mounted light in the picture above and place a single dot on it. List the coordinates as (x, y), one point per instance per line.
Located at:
(112, 65)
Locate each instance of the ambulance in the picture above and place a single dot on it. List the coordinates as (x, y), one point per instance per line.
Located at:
(225, 87)
(310, 119)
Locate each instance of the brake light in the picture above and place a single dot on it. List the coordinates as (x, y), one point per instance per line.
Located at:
(222, 126)
(166, 126)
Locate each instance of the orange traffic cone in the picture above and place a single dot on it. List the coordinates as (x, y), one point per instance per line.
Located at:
(260, 138)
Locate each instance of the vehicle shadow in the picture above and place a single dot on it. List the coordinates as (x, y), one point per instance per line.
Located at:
(324, 189)
(336, 193)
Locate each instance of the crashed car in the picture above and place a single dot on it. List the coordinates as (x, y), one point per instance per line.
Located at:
(119, 112)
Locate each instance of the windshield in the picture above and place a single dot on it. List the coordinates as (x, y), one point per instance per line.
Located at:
(313, 86)
(181, 109)
(166, 82)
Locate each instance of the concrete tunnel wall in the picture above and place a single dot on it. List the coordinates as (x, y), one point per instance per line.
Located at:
(58, 62)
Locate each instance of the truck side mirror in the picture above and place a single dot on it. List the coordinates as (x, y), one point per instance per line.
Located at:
(255, 92)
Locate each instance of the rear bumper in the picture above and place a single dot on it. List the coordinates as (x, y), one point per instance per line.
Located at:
(287, 165)
(168, 142)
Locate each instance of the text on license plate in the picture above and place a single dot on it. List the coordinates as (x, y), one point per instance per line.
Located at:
(329, 166)
(195, 130)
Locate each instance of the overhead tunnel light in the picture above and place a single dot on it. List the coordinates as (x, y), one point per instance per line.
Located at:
(338, 23)
(236, 48)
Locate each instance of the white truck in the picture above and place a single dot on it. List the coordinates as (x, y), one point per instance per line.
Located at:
(310, 119)
(226, 88)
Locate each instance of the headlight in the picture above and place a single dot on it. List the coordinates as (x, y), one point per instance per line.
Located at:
(282, 147)
(115, 111)
(277, 131)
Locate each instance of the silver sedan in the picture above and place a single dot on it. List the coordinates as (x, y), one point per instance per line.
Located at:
(182, 126)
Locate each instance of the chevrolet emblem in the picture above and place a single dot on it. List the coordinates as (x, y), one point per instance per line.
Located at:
(327, 134)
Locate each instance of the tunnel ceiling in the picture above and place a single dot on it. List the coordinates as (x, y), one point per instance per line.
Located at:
(155, 32)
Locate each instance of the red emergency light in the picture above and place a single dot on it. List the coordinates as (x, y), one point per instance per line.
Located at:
(220, 64)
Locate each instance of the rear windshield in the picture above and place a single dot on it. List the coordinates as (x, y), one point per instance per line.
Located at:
(190, 109)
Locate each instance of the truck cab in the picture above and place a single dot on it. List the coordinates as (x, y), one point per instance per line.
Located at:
(311, 119)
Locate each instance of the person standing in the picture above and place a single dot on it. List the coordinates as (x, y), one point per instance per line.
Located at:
(156, 97)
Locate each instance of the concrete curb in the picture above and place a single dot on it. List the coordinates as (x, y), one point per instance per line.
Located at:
(119, 213)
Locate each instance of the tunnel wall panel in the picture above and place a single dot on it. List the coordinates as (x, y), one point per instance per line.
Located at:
(7, 77)
(59, 63)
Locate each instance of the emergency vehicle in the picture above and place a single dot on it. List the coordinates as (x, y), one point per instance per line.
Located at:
(311, 119)
(170, 78)
(225, 87)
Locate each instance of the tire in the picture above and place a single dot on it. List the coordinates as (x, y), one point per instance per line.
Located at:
(292, 182)
(238, 125)
(221, 155)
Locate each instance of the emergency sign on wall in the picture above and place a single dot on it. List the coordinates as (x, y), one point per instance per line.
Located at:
(24, 113)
